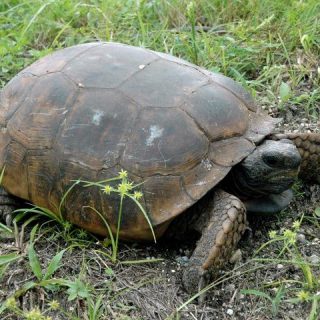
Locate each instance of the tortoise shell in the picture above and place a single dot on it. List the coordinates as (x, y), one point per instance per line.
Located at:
(88, 111)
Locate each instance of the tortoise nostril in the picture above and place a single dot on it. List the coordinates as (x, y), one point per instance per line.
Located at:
(295, 159)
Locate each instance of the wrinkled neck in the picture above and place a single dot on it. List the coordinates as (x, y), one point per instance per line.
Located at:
(236, 183)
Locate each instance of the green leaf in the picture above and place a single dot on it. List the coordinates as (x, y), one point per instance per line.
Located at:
(56, 282)
(54, 264)
(33, 231)
(285, 92)
(317, 212)
(26, 287)
(34, 262)
(3, 270)
(7, 258)
(257, 293)
(4, 228)
(145, 216)
(77, 289)
(3, 307)
(109, 272)
(314, 310)
(95, 308)
(277, 299)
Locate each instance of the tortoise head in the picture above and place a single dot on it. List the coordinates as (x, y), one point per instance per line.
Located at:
(270, 169)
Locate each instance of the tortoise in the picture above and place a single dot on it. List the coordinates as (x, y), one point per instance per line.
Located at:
(196, 140)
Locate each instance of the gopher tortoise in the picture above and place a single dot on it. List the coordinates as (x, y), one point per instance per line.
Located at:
(195, 140)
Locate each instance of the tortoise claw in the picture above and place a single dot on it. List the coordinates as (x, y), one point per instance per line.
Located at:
(195, 279)
(8, 219)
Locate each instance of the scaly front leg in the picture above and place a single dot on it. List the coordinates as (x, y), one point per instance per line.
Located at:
(221, 232)
(8, 204)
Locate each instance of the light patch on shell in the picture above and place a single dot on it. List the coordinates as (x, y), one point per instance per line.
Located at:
(155, 132)
(201, 183)
(206, 164)
(96, 119)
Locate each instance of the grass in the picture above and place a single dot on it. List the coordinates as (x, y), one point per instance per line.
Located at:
(272, 47)
(288, 252)
(44, 280)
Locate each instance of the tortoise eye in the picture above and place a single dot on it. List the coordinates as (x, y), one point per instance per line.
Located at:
(271, 160)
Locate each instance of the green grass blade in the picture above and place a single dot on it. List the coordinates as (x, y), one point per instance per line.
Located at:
(257, 293)
(3, 308)
(4, 228)
(38, 210)
(26, 287)
(64, 198)
(106, 224)
(34, 18)
(7, 258)
(142, 261)
(276, 301)
(34, 262)
(145, 215)
(96, 310)
(54, 264)
(33, 233)
(314, 315)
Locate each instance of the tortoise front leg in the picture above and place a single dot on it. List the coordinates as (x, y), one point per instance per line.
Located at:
(308, 145)
(8, 204)
(221, 232)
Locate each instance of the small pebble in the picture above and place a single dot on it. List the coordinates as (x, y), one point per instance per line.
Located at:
(296, 277)
(236, 257)
(230, 287)
(301, 238)
(314, 259)
(230, 312)
(280, 266)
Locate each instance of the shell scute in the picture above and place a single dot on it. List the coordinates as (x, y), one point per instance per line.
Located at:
(108, 65)
(37, 121)
(14, 94)
(56, 61)
(16, 172)
(198, 180)
(219, 113)
(95, 130)
(163, 141)
(171, 84)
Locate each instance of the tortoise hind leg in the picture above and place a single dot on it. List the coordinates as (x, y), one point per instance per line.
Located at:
(8, 204)
(221, 232)
(308, 145)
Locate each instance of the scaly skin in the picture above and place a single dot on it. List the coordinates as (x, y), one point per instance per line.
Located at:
(8, 204)
(308, 145)
(221, 233)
